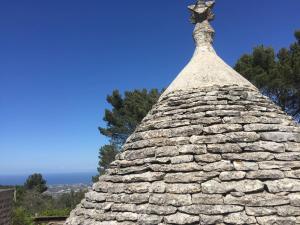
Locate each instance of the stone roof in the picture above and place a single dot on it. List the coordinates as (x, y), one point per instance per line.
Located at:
(213, 150)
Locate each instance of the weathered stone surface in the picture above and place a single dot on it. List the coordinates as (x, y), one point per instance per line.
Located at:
(283, 185)
(181, 218)
(210, 209)
(222, 155)
(288, 210)
(258, 200)
(183, 188)
(242, 136)
(234, 175)
(260, 211)
(208, 158)
(218, 166)
(263, 146)
(259, 156)
(272, 220)
(214, 219)
(192, 149)
(207, 199)
(222, 128)
(245, 186)
(280, 136)
(224, 148)
(182, 159)
(265, 174)
(239, 218)
(245, 166)
(171, 199)
(189, 177)
(294, 199)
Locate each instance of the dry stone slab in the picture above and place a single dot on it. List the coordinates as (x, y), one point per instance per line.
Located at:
(210, 209)
(239, 218)
(283, 185)
(181, 218)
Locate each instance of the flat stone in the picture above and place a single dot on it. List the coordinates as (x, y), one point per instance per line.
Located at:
(283, 185)
(207, 199)
(209, 139)
(183, 188)
(280, 136)
(160, 210)
(126, 216)
(265, 174)
(210, 209)
(251, 156)
(287, 210)
(171, 199)
(294, 199)
(218, 166)
(144, 177)
(189, 177)
(272, 220)
(245, 166)
(263, 146)
(242, 136)
(239, 218)
(292, 147)
(234, 175)
(245, 186)
(258, 200)
(224, 148)
(181, 218)
(147, 219)
(183, 167)
(182, 159)
(192, 149)
(208, 158)
(157, 187)
(222, 128)
(289, 156)
(282, 165)
(260, 211)
(214, 219)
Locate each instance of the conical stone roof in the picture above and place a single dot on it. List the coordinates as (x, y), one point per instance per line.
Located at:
(213, 150)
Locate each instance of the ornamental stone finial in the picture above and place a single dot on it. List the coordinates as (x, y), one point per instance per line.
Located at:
(201, 15)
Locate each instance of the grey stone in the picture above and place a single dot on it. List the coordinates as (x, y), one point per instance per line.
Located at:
(183, 188)
(292, 147)
(210, 209)
(214, 219)
(218, 166)
(209, 139)
(289, 156)
(294, 199)
(251, 156)
(182, 159)
(147, 219)
(224, 148)
(258, 200)
(283, 185)
(263, 146)
(245, 166)
(245, 186)
(222, 128)
(239, 218)
(189, 177)
(192, 149)
(242, 136)
(171, 199)
(280, 136)
(183, 167)
(206, 199)
(208, 158)
(260, 211)
(181, 218)
(274, 220)
(287, 210)
(234, 175)
(265, 174)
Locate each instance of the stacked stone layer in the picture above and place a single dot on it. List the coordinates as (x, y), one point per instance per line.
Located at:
(217, 155)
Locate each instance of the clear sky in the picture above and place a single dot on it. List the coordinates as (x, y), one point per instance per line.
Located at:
(59, 60)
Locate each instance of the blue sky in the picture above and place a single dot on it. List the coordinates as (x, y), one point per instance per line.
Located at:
(59, 60)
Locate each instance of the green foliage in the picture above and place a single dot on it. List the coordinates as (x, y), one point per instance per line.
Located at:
(30, 202)
(56, 212)
(36, 182)
(276, 75)
(126, 114)
(21, 217)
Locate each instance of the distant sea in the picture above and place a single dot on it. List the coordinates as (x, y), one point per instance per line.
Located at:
(52, 179)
